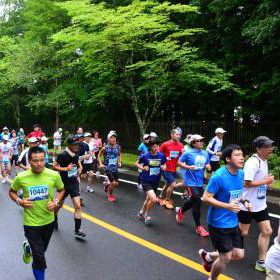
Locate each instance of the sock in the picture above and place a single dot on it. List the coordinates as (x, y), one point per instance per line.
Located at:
(261, 261)
(141, 212)
(147, 214)
(39, 274)
(78, 223)
(208, 257)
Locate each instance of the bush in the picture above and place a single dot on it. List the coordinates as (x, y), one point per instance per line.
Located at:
(274, 164)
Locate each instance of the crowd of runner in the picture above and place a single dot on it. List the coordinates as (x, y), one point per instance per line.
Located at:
(236, 192)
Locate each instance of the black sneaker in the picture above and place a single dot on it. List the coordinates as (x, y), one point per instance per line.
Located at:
(80, 234)
(55, 224)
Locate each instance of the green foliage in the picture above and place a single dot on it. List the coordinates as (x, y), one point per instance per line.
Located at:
(274, 164)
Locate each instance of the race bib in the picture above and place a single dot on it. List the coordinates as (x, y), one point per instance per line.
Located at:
(38, 192)
(262, 192)
(174, 154)
(199, 162)
(235, 195)
(73, 172)
(113, 161)
(154, 171)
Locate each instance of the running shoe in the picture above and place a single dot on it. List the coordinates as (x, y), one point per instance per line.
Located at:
(185, 196)
(148, 221)
(90, 189)
(3, 181)
(141, 217)
(139, 187)
(80, 234)
(207, 265)
(161, 201)
(27, 257)
(202, 231)
(179, 215)
(260, 266)
(111, 198)
(169, 204)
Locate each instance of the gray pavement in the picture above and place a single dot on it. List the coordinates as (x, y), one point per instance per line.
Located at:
(106, 255)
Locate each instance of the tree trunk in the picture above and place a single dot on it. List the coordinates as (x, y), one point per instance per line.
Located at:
(57, 116)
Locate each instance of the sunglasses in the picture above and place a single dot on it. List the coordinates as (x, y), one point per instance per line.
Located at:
(199, 141)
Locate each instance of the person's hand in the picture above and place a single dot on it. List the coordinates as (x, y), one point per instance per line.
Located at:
(192, 167)
(146, 168)
(218, 154)
(234, 206)
(120, 164)
(70, 167)
(102, 166)
(269, 180)
(163, 168)
(248, 205)
(26, 203)
(51, 206)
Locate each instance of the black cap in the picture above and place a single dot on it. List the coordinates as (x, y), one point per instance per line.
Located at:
(261, 141)
(72, 140)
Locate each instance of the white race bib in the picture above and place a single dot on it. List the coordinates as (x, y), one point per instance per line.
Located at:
(73, 172)
(174, 154)
(154, 171)
(262, 192)
(235, 195)
(38, 192)
(113, 161)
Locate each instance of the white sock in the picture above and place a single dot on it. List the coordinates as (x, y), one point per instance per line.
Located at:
(208, 257)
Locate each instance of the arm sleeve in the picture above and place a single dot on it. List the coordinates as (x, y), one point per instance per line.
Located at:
(58, 182)
(209, 147)
(213, 185)
(16, 184)
(250, 169)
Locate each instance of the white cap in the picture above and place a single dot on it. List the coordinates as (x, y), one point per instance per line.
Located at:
(32, 140)
(87, 134)
(111, 133)
(220, 130)
(60, 129)
(44, 138)
(153, 134)
(187, 139)
(5, 128)
(146, 136)
(6, 137)
(195, 137)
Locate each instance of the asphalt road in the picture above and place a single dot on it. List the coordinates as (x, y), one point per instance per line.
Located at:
(129, 250)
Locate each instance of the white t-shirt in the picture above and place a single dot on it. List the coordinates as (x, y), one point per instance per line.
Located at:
(272, 260)
(215, 145)
(6, 150)
(23, 158)
(57, 138)
(91, 149)
(255, 169)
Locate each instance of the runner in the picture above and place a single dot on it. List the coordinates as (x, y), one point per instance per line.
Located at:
(6, 156)
(224, 194)
(23, 158)
(151, 163)
(142, 149)
(15, 145)
(214, 149)
(97, 145)
(5, 132)
(194, 162)
(172, 149)
(20, 136)
(44, 146)
(256, 181)
(272, 261)
(88, 163)
(79, 131)
(57, 141)
(70, 168)
(38, 184)
(112, 161)
(37, 132)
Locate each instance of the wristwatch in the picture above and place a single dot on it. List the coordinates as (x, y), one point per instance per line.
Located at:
(18, 200)
(56, 202)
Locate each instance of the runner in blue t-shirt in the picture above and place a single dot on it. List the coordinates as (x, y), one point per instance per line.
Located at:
(151, 164)
(224, 194)
(143, 149)
(194, 162)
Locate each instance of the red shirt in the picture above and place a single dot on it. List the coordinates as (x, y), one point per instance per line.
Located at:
(37, 134)
(172, 151)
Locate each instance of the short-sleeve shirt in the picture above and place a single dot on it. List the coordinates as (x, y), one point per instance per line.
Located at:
(97, 143)
(198, 158)
(68, 177)
(255, 169)
(84, 149)
(57, 138)
(47, 157)
(215, 145)
(91, 150)
(23, 158)
(6, 151)
(142, 149)
(154, 162)
(40, 189)
(226, 187)
(36, 134)
(14, 142)
(172, 150)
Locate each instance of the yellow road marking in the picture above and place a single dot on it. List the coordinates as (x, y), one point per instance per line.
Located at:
(146, 244)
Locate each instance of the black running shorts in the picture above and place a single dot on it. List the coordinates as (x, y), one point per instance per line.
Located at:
(245, 217)
(148, 187)
(225, 239)
(113, 176)
(73, 190)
